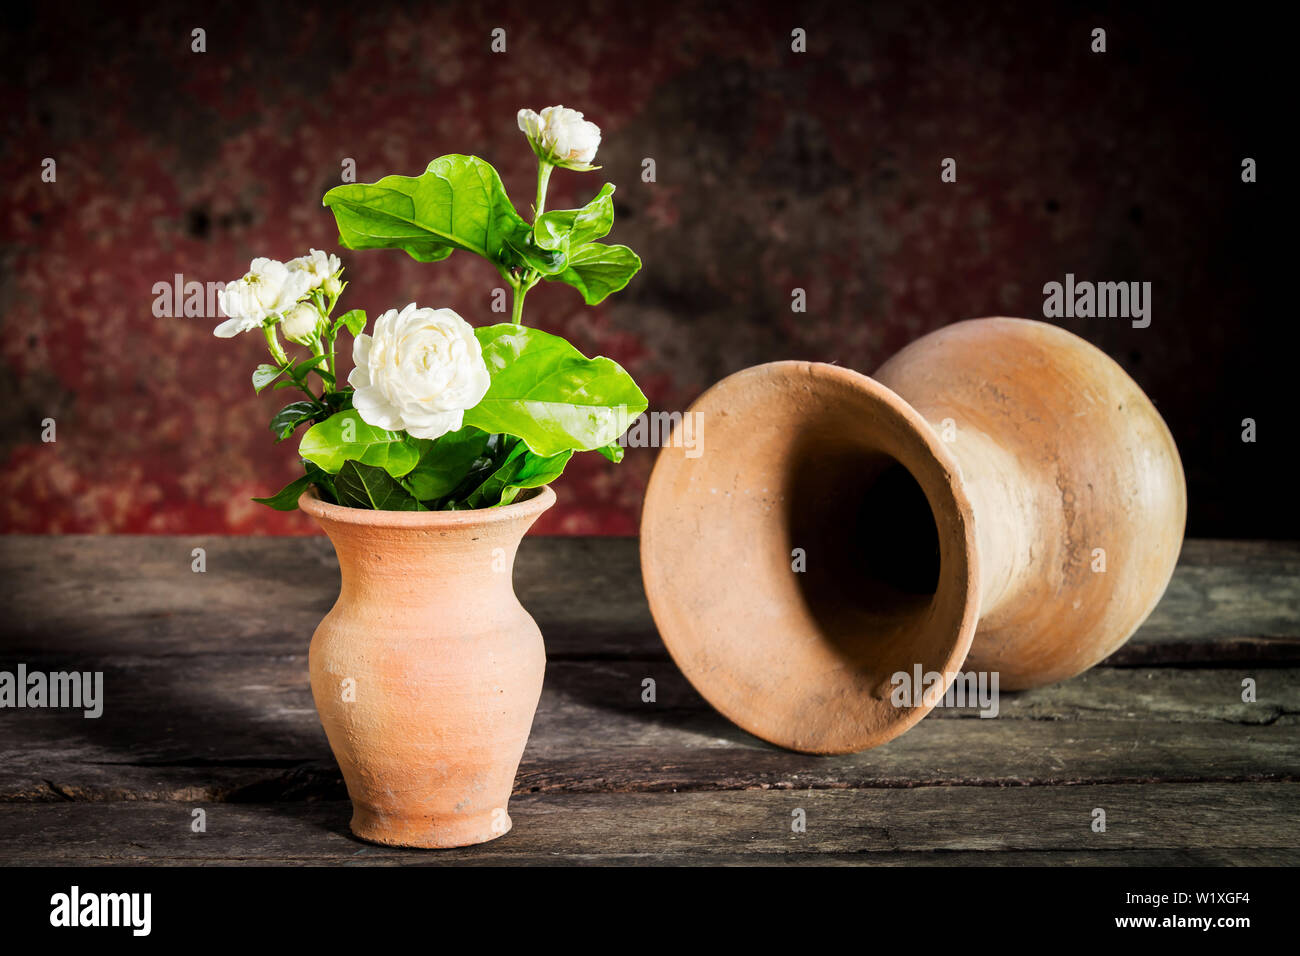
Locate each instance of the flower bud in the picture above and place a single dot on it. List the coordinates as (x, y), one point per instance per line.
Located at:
(332, 287)
(561, 136)
(299, 323)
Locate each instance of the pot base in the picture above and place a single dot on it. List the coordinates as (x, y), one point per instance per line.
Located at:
(422, 833)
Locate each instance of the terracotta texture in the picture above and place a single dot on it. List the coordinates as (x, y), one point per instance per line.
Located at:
(804, 659)
(1076, 483)
(974, 488)
(447, 668)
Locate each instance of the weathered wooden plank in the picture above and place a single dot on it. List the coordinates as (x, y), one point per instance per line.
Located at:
(1229, 601)
(489, 856)
(1183, 823)
(138, 595)
(244, 728)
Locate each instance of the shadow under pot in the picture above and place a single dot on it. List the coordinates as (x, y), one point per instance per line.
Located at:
(1000, 498)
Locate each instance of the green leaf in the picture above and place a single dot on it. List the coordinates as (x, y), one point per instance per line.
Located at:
(457, 203)
(521, 469)
(264, 375)
(613, 451)
(529, 253)
(345, 436)
(445, 462)
(597, 270)
(298, 370)
(287, 419)
(338, 401)
(286, 499)
(549, 394)
(566, 229)
(497, 448)
(365, 486)
(353, 320)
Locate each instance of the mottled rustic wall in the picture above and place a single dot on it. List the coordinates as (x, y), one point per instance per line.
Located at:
(775, 170)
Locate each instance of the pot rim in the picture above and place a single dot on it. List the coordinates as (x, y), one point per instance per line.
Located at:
(529, 508)
(942, 469)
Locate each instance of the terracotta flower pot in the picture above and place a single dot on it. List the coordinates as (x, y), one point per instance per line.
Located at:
(427, 671)
(1001, 489)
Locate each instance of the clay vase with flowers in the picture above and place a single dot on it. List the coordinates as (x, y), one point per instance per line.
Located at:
(427, 468)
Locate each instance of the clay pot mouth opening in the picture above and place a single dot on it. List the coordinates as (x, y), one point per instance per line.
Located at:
(866, 517)
(821, 545)
(530, 503)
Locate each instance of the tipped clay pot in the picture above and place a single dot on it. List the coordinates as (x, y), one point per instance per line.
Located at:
(427, 671)
(1000, 497)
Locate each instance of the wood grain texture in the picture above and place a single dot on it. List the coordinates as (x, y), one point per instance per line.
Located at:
(1183, 823)
(208, 704)
(1229, 601)
(243, 728)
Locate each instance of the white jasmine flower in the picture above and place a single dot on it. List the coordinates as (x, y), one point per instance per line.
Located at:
(269, 288)
(317, 264)
(561, 136)
(420, 371)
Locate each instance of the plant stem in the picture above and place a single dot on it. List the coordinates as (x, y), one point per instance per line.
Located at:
(520, 288)
(273, 344)
(530, 276)
(543, 177)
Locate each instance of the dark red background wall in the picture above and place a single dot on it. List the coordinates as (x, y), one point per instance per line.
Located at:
(775, 170)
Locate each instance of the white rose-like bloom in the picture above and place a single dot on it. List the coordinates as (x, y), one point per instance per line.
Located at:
(269, 288)
(317, 264)
(561, 136)
(420, 371)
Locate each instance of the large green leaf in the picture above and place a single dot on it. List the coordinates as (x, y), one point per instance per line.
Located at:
(345, 436)
(365, 486)
(457, 203)
(446, 461)
(549, 394)
(566, 229)
(597, 270)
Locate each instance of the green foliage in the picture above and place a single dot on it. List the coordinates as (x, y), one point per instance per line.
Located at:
(546, 400)
(549, 394)
(345, 437)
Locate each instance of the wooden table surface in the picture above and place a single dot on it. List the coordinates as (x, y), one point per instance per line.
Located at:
(208, 707)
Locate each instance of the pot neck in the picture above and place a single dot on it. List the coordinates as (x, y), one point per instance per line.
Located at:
(431, 564)
(1006, 523)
